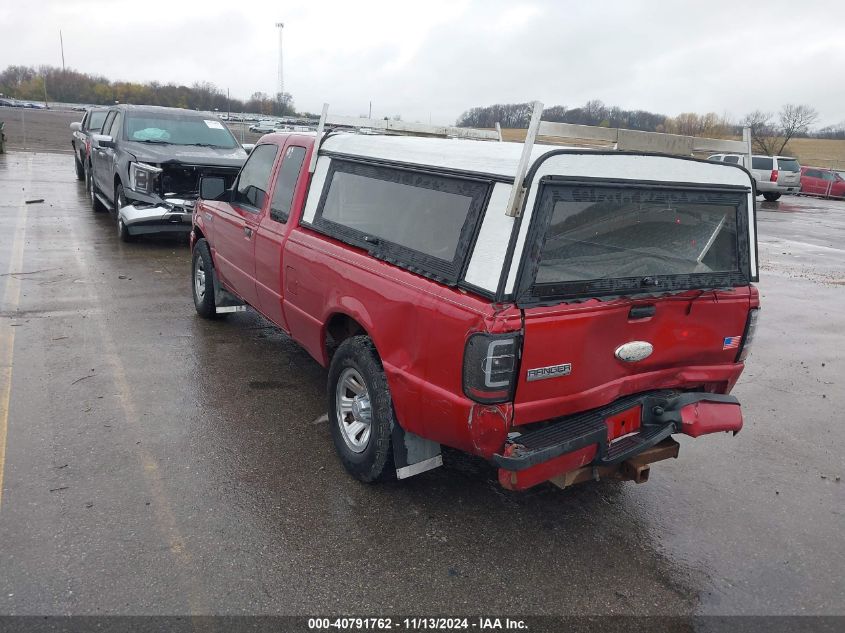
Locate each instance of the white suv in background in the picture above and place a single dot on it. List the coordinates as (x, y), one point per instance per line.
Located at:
(773, 175)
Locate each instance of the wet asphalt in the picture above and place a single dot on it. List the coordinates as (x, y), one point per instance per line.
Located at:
(156, 463)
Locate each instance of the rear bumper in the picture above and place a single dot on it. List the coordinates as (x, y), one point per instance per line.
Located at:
(581, 440)
(767, 186)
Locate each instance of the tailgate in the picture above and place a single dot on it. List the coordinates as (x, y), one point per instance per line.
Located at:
(576, 357)
(635, 276)
(789, 172)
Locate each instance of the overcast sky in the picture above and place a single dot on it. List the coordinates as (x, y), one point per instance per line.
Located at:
(433, 59)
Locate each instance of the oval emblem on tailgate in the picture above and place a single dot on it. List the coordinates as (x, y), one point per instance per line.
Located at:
(634, 351)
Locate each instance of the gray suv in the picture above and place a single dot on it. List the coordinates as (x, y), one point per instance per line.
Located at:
(147, 163)
(773, 175)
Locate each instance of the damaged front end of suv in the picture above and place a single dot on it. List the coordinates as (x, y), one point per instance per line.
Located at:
(163, 154)
(163, 195)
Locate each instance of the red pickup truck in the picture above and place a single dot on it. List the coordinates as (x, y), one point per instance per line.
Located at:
(566, 342)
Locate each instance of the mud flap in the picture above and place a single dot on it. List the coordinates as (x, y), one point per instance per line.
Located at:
(225, 301)
(413, 454)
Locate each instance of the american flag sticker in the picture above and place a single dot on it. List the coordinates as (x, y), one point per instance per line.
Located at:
(731, 342)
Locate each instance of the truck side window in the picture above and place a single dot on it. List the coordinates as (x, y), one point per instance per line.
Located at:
(762, 162)
(115, 125)
(95, 120)
(107, 122)
(732, 159)
(254, 179)
(286, 183)
(419, 220)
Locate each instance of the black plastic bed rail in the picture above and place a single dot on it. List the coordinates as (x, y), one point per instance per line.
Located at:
(660, 418)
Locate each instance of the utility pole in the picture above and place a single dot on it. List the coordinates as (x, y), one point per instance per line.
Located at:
(62, 44)
(281, 27)
(370, 115)
(228, 105)
(44, 83)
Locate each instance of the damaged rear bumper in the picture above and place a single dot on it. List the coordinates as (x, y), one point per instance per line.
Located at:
(172, 216)
(600, 442)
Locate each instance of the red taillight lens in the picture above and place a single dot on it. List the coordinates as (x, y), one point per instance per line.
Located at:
(490, 366)
(87, 146)
(774, 176)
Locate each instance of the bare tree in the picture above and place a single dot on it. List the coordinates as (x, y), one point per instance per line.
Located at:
(763, 133)
(770, 138)
(795, 120)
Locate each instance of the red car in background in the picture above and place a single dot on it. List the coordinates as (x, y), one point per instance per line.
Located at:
(817, 181)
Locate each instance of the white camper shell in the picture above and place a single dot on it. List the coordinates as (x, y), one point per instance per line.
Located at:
(649, 207)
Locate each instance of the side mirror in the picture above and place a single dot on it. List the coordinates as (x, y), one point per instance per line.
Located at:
(248, 147)
(102, 140)
(76, 126)
(212, 187)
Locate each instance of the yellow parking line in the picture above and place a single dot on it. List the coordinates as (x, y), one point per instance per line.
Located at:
(11, 297)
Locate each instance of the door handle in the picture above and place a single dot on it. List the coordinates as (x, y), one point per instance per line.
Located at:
(247, 232)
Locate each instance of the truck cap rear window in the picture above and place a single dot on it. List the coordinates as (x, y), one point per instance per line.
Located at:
(600, 240)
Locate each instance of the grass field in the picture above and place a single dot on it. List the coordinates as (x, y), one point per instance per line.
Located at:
(808, 151)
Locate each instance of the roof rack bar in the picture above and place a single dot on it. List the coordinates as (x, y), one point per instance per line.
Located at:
(312, 165)
(518, 189)
(388, 126)
(405, 127)
(637, 140)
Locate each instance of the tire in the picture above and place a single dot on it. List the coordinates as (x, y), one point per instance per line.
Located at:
(80, 168)
(358, 395)
(771, 197)
(202, 281)
(96, 205)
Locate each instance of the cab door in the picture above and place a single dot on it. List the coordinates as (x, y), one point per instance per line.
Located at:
(237, 221)
(273, 230)
(812, 181)
(101, 159)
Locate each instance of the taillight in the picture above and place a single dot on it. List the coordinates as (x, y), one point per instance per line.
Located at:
(490, 366)
(748, 336)
(87, 146)
(774, 176)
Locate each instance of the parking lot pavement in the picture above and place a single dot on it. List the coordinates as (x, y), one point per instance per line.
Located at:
(156, 463)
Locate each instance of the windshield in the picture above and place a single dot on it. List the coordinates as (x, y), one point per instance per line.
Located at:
(178, 130)
(788, 164)
(597, 233)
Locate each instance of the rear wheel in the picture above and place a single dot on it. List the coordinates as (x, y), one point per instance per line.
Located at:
(361, 411)
(771, 196)
(80, 168)
(96, 205)
(202, 281)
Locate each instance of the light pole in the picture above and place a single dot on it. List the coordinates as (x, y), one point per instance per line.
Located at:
(281, 27)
